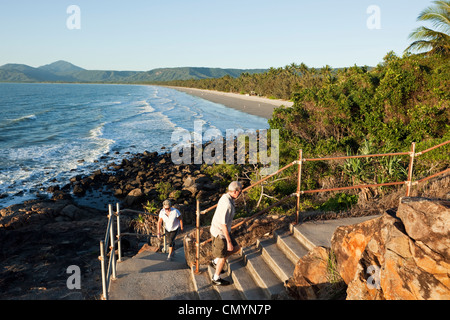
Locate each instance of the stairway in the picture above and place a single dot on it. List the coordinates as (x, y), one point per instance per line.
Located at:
(260, 271)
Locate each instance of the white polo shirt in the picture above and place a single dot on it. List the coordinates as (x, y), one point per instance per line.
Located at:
(170, 221)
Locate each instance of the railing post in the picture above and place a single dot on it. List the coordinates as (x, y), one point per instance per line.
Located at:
(410, 169)
(197, 241)
(102, 263)
(119, 241)
(299, 182)
(113, 251)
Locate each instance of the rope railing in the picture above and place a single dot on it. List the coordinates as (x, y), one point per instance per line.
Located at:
(409, 183)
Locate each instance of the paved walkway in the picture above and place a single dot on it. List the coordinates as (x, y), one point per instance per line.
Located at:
(320, 232)
(149, 276)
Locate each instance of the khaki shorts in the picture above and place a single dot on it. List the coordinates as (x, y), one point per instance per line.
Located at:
(219, 247)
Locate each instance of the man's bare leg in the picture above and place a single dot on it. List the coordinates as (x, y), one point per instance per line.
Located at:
(219, 266)
(221, 262)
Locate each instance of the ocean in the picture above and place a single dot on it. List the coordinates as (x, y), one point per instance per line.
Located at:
(52, 132)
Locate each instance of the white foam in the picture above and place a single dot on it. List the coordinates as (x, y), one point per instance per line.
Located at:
(105, 103)
(97, 132)
(146, 107)
(20, 119)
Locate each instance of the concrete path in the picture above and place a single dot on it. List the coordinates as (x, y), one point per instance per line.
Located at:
(319, 233)
(149, 276)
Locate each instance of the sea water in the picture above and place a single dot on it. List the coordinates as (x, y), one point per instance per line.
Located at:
(52, 132)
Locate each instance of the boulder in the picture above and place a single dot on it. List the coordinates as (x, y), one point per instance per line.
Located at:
(428, 222)
(134, 197)
(402, 257)
(78, 190)
(72, 212)
(349, 242)
(61, 195)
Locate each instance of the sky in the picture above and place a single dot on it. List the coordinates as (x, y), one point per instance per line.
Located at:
(141, 35)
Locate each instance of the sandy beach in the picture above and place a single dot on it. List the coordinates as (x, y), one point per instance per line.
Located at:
(258, 106)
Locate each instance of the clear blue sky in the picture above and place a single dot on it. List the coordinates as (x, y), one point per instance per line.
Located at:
(147, 34)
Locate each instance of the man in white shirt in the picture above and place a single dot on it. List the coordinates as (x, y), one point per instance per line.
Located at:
(172, 221)
(224, 244)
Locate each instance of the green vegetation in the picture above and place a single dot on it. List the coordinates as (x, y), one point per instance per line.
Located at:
(151, 207)
(276, 83)
(223, 173)
(164, 189)
(403, 100)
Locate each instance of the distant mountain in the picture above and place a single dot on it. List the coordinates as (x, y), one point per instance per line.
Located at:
(63, 71)
(24, 73)
(61, 67)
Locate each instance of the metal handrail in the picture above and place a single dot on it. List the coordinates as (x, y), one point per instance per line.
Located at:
(109, 242)
(409, 183)
(110, 273)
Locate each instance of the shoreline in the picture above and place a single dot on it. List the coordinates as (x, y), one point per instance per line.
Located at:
(257, 106)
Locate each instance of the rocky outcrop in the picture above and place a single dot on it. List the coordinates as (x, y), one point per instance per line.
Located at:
(402, 256)
(39, 240)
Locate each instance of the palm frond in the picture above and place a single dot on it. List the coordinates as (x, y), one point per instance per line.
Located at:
(438, 17)
(435, 41)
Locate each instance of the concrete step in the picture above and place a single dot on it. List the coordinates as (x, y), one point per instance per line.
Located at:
(262, 274)
(276, 259)
(291, 247)
(243, 279)
(229, 292)
(202, 284)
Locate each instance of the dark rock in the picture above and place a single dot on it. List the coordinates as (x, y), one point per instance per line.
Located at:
(134, 197)
(78, 190)
(61, 195)
(52, 189)
(72, 212)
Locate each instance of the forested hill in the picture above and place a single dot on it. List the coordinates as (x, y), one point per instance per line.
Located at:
(62, 71)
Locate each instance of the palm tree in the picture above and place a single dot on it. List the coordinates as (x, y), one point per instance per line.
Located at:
(435, 41)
